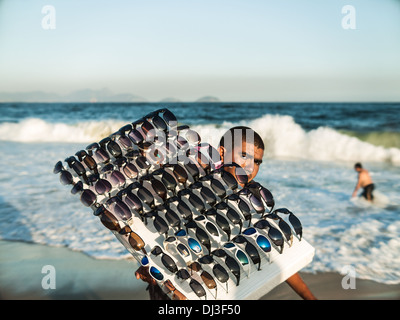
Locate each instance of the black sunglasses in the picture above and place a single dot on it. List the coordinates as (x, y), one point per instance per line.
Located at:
(294, 221)
(220, 220)
(98, 152)
(230, 262)
(231, 214)
(283, 226)
(242, 205)
(219, 271)
(262, 193)
(166, 260)
(113, 148)
(206, 193)
(79, 169)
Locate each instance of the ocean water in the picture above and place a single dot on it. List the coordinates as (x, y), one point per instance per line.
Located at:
(310, 152)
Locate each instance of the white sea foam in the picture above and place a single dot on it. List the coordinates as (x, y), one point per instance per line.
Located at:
(283, 138)
(38, 130)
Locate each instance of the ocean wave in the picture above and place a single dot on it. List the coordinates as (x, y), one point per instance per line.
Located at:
(38, 130)
(283, 138)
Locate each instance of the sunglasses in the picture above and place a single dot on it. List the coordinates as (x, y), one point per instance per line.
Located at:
(240, 256)
(255, 202)
(239, 173)
(166, 178)
(168, 288)
(206, 155)
(227, 178)
(128, 168)
(242, 206)
(155, 273)
(79, 169)
(216, 186)
(88, 160)
(173, 246)
(181, 207)
(206, 277)
(166, 260)
(200, 234)
(159, 223)
(274, 234)
(192, 243)
(131, 200)
(218, 271)
(221, 222)
(230, 262)
(134, 239)
(107, 219)
(209, 227)
(122, 139)
(197, 288)
(261, 241)
(262, 193)
(186, 137)
(112, 147)
(231, 214)
(206, 193)
(98, 152)
(142, 193)
(66, 177)
(294, 221)
(193, 199)
(115, 177)
(88, 197)
(118, 208)
(283, 226)
(250, 249)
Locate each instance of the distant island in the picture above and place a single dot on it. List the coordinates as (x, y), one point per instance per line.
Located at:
(208, 99)
(86, 95)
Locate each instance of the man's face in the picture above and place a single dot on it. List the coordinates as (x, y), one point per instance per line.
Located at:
(245, 155)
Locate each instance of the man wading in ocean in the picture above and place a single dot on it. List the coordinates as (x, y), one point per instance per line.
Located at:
(365, 182)
(243, 146)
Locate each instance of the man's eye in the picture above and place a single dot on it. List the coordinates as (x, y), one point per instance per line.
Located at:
(244, 155)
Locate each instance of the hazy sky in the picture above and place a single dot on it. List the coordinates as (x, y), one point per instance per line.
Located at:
(237, 50)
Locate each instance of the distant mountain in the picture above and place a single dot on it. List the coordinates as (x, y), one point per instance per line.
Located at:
(208, 99)
(84, 95)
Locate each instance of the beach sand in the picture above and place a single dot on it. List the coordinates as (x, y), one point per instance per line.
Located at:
(79, 276)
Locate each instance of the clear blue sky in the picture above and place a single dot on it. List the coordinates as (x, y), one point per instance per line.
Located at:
(237, 50)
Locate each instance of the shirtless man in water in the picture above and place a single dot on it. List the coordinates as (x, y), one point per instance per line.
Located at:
(365, 182)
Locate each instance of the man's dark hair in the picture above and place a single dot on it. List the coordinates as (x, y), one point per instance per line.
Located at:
(246, 133)
(358, 165)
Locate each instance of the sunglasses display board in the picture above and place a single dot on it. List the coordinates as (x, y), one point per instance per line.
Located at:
(183, 215)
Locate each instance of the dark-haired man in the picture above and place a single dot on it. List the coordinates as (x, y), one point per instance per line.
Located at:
(365, 182)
